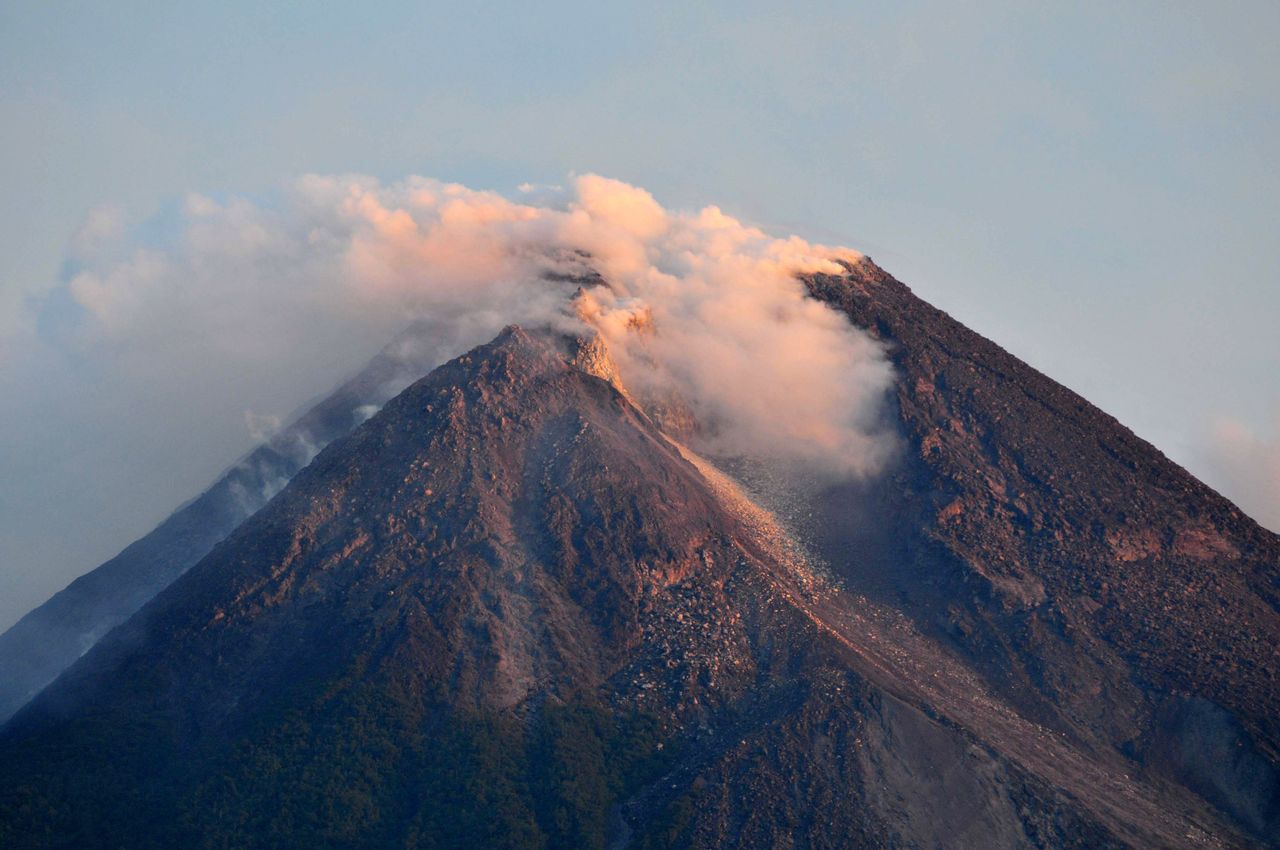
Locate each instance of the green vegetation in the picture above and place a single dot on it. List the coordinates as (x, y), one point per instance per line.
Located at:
(364, 766)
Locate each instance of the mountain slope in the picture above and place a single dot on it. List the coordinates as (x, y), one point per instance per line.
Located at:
(48, 639)
(508, 611)
(1093, 582)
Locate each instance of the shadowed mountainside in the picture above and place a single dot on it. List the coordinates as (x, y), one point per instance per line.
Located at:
(1093, 582)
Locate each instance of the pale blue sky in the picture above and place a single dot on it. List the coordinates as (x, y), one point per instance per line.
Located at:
(1093, 187)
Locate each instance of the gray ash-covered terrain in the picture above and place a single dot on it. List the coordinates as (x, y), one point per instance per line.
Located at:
(511, 611)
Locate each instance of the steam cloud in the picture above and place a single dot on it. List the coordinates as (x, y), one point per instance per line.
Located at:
(1246, 465)
(693, 306)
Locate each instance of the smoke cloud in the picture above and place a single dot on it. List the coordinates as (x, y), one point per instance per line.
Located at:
(1245, 465)
(176, 343)
(695, 306)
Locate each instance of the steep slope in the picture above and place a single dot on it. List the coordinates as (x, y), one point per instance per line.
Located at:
(1094, 583)
(507, 611)
(48, 639)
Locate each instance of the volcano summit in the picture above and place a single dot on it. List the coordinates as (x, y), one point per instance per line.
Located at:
(564, 591)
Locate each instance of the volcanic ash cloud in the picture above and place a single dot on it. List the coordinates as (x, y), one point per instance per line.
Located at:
(695, 306)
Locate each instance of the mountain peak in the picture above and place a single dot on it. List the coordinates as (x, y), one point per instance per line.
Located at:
(511, 610)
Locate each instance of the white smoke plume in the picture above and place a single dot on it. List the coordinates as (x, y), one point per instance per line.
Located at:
(1245, 464)
(726, 326)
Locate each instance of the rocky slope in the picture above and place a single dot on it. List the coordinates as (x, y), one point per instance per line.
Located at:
(1094, 583)
(509, 611)
(48, 639)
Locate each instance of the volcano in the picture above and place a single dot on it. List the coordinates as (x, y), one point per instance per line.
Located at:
(517, 608)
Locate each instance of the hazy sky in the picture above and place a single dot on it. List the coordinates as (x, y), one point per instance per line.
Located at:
(1094, 188)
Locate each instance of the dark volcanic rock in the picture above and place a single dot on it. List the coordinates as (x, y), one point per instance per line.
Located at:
(509, 611)
(1092, 580)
